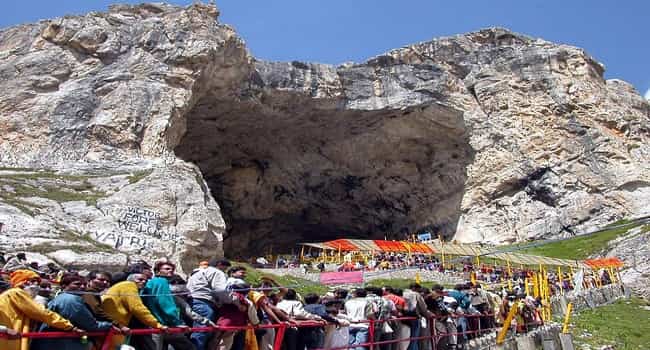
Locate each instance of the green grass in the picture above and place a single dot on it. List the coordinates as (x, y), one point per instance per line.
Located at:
(24, 206)
(139, 175)
(401, 283)
(72, 237)
(46, 174)
(15, 169)
(82, 191)
(302, 286)
(97, 247)
(65, 195)
(580, 247)
(619, 222)
(624, 324)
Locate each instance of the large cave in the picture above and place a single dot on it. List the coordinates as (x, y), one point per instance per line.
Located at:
(287, 168)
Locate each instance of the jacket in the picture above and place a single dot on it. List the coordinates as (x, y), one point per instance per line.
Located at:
(73, 308)
(17, 309)
(415, 304)
(320, 310)
(209, 284)
(94, 303)
(463, 299)
(162, 305)
(121, 302)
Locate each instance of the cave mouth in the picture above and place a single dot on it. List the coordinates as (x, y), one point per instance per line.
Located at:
(286, 168)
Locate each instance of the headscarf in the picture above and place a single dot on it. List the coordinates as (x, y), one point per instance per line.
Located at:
(19, 277)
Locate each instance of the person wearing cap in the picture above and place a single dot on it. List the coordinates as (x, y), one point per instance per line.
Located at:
(18, 309)
(207, 286)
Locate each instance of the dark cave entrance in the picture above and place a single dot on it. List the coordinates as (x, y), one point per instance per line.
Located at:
(287, 169)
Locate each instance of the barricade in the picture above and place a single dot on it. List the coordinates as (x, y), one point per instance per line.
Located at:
(371, 344)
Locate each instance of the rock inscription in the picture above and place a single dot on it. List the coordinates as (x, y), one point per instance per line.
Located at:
(137, 228)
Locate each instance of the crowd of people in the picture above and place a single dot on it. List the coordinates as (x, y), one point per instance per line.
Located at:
(217, 298)
(558, 282)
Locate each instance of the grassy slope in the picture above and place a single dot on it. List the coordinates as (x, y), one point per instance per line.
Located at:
(301, 285)
(401, 283)
(580, 247)
(624, 324)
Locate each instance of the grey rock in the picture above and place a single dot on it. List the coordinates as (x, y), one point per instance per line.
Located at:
(490, 136)
(633, 249)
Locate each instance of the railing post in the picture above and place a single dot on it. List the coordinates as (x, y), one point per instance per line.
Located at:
(506, 324)
(107, 340)
(434, 333)
(279, 336)
(371, 333)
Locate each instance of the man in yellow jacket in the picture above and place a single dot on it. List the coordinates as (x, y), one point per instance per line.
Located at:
(18, 308)
(122, 301)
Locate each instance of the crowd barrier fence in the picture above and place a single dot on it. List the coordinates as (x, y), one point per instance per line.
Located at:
(371, 344)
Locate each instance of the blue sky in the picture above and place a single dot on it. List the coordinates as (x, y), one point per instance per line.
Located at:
(336, 31)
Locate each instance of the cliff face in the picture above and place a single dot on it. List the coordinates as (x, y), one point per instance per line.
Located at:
(150, 115)
(101, 101)
(558, 149)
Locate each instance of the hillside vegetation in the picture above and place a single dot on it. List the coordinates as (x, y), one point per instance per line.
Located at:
(582, 247)
(624, 324)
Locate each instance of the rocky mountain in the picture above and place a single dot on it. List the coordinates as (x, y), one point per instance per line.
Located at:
(633, 247)
(149, 130)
